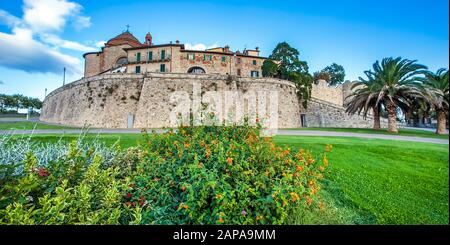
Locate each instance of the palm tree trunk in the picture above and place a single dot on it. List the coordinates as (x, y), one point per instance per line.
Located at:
(392, 117)
(441, 121)
(376, 119)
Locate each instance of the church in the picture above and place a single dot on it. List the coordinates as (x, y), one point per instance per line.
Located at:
(126, 54)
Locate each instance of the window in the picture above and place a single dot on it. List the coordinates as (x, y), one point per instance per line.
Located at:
(163, 54)
(254, 62)
(254, 73)
(207, 57)
(162, 68)
(138, 69)
(122, 61)
(238, 60)
(138, 57)
(224, 59)
(150, 55)
(238, 72)
(191, 56)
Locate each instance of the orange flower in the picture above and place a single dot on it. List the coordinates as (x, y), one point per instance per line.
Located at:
(286, 152)
(186, 145)
(183, 188)
(311, 182)
(259, 217)
(229, 161)
(321, 168)
(328, 147)
(294, 196)
(220, 220)
(200, 165)
(321, 206)
(308, 200)
(218, 196)
(299, 168)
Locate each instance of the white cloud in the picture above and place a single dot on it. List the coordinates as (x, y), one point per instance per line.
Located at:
(52, 15)
(82, 22)
(199, 46)
(8, 19)
(58, 42)
(33, 45)
(20, 51)
(100, 44)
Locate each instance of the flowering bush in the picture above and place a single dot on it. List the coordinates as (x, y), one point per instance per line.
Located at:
(192, 175)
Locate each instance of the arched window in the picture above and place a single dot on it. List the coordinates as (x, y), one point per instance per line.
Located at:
(122, 61)
(196, 70)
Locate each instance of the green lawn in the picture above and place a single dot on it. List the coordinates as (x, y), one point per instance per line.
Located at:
(370, 181)
(375, 181)
(26, 125)
(403, 132)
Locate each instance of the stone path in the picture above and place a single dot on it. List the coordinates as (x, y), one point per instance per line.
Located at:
(280, 132)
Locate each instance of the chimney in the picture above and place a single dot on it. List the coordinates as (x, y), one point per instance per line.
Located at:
(148, 39)
(177, 42)
(226, 49)
(257, 48)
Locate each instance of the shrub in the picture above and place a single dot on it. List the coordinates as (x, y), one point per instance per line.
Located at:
(192, 175)
(221, 175)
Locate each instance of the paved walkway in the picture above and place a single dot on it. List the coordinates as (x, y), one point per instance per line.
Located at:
(280, 132)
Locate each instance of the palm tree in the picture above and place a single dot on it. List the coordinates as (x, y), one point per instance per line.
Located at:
(397, 79)
(363, 98)
(436, 91)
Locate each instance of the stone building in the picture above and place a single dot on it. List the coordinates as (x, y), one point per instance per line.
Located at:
(124, 53)
(129, 84)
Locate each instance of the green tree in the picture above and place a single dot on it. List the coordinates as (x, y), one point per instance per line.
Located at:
(364, 99)
(293, 69)
(398, 80)
(336, 73)
(436, 91)
(269, 68)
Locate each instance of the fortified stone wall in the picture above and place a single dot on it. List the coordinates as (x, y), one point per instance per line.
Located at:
(321, 113)
(98, 101)
(108, 100)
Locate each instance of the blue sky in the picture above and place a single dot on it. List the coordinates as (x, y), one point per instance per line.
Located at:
(39, 37)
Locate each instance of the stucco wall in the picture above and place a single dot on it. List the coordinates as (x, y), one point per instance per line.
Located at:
(107, 100)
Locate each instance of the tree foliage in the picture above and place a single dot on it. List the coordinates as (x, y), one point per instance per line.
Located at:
(18, 101)
(290, 68)
(334, 74)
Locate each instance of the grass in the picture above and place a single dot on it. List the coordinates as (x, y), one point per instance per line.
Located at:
(370, 181)
(375, 181)
(27, 125)
(402, 131)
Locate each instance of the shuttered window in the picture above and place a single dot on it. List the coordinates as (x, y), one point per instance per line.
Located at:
(162, 68)
(138, 69)
(138, 57)
(150, 56)
(163, 54)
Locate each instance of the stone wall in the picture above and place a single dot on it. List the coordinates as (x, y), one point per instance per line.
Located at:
(321, 113)
(98, 101)
(107, 100)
